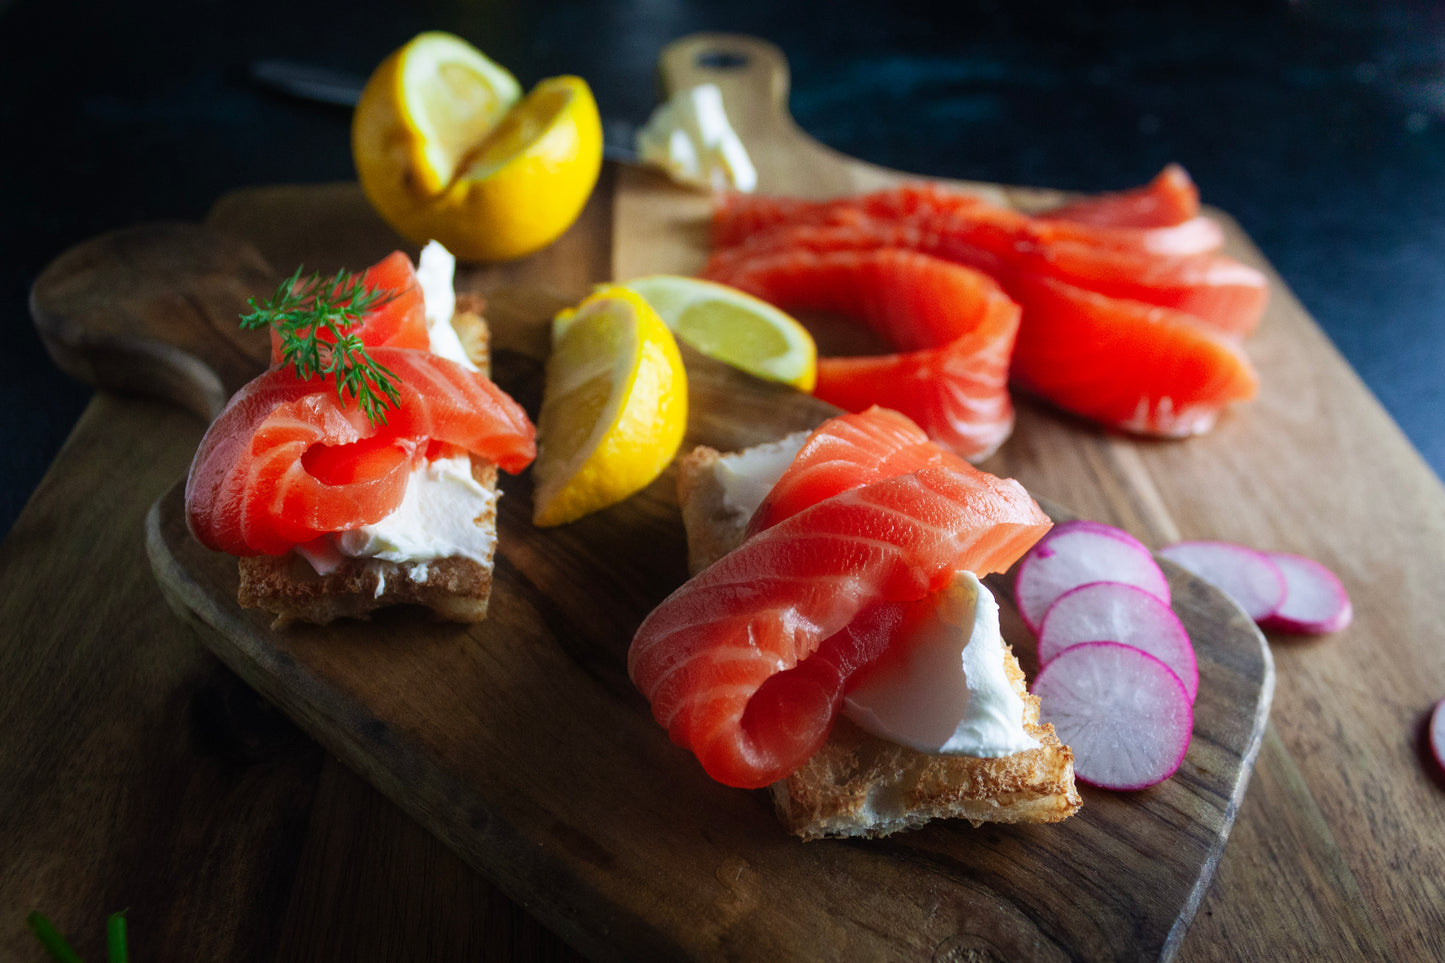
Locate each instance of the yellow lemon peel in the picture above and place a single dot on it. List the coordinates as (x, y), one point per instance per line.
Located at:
(614, 406)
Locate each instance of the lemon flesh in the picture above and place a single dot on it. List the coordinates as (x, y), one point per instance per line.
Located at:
(614, 407)
(453, 95)
(734, 327)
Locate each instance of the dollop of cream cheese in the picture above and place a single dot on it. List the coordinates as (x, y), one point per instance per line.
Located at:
(945, 691)
(747, 476)
(435, 275)
(689, 137)
(436, 517)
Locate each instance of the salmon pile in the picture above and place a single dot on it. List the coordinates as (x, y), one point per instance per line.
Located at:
(1128, 311)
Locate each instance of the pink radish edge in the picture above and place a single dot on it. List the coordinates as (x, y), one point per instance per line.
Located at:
(1314, 599)
(1437, 734)
(1124, 714)
(1251, 578)
(1077, 552)
(1117, 612)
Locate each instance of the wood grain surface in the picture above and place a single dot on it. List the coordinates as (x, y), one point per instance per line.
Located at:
(137, 772)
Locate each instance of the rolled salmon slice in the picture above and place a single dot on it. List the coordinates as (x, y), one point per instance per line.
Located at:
(954, 329)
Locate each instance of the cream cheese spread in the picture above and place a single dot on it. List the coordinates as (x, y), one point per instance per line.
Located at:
(436, 518)
(946, 691)
(435, 273)
(747, 476)
(689, 137)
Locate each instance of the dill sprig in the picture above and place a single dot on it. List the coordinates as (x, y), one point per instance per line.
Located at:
(314, 319)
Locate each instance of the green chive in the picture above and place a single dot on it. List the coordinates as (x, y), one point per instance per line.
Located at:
(115, 947)
(51, 939)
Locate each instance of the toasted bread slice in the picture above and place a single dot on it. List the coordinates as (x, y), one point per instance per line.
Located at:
(457, 589)
(859, 784)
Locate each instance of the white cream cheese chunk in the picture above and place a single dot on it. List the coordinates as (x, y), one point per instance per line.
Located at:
(689, 137)
(947, 692)
(436, 518)
(435, 274)
(747, 476)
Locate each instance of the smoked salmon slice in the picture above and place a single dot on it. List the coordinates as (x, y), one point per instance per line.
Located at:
(397, 319)
(953, 328)
(286, 461)
(1088, 316)
(1170, 199)
(847, 452)
(1219, 289)
(746, 663)
(1139, 367)
(948, 211)
(1127, 270)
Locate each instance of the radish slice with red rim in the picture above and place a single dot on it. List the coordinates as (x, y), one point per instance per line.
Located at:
(1115, 612)
(1076, 553)
(1124, 714)
(1437, 733)
(1251, 578)
(1314, 599)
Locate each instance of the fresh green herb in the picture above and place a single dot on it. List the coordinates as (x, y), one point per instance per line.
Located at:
(51, 939)
(60, 951)
(314, 319)
(116, 950)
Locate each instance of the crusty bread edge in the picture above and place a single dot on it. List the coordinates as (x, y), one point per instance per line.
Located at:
(456, 589)
(861, 785)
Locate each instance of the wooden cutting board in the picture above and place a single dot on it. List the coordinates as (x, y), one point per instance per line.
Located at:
(521, 744)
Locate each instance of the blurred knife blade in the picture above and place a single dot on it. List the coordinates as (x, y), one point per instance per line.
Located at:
(341, 89)
(308, 82)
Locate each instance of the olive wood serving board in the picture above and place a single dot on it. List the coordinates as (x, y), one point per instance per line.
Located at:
(520, 742)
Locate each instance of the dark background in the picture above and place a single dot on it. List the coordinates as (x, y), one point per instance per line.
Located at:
(1320, 126)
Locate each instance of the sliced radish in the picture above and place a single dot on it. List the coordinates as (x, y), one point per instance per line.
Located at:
(1076, 553)
(1115, 612)
(1437, 733)
(1314, 599)
(1123, 712)
(1249, 577)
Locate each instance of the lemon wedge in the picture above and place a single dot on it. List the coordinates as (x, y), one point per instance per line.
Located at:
(733, 326)
(614, 406)
(447, 148)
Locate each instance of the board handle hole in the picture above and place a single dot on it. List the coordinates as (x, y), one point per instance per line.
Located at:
(722, 60)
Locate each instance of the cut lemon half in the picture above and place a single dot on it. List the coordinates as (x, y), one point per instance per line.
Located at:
(446, 148)
(614, 406)
(733, 326)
